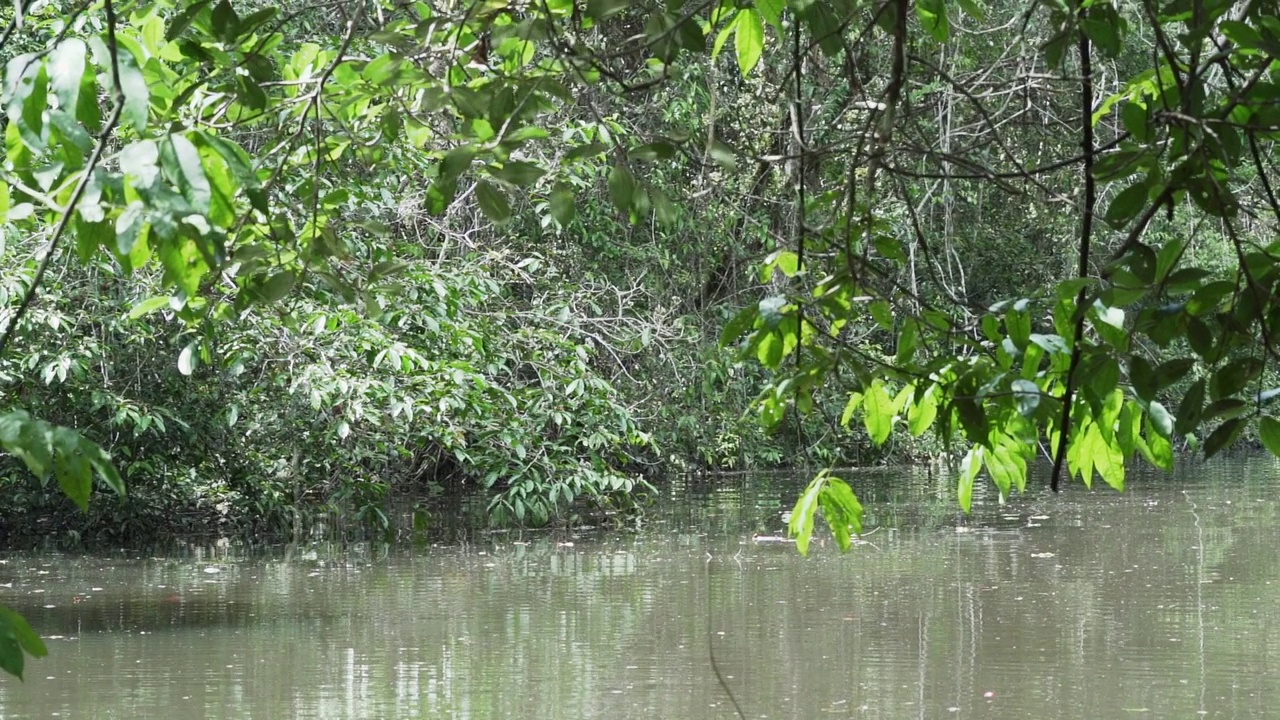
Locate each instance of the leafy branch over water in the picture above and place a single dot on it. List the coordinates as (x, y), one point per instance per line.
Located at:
(325, 253)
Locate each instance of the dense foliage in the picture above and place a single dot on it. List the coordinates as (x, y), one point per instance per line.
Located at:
(267, 264)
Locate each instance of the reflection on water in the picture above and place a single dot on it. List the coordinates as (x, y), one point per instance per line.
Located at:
(1159, 602)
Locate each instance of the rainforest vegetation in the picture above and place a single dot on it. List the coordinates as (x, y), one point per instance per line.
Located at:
(267, 265)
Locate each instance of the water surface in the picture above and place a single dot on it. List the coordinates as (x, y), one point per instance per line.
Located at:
(1161, 602)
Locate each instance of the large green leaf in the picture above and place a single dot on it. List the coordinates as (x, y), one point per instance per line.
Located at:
(1269, 433)
(66, 73)
(800, 526)
(748, 39)
(933, 16)
(493, 202)
(877, 412)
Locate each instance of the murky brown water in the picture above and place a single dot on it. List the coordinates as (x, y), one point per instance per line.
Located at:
(1163, 602)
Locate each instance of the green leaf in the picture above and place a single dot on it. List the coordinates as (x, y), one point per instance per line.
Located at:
(276, 287)
(254, 20)
(457, 161)
(12, 660)
(748, 39)
(771, 11)
(1222, 437)
(1233, 377)
(1190, 409)
(185, 165)
(1027, 396)
(1134, 117)
(15, 625)
(841, 510)
(26, 91)
(1161, 420)
(650, 152)
(562, 207)
(1104, 375)
(855, 401)
(66, 73)
(133, 85)
(1018, 324)
(180, 22)
(973, 9)
(1104, 34)
(800, 526)
(923, 412)
(1172, 371)
(1160, 452)
(518, 173)
(741, 323)
(622, 187)
(877, 412)
(908, 340)
(1108, 459)
(225, 21)
(187, 359)
(1127, 204)
(1269, 433)
(969, 468)
(933, 16)
(493, 202)
(602, 9)
(147, 306)
(1007, 469)
(723, 155)
(1142, 377)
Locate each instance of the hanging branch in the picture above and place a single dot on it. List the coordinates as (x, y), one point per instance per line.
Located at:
(1086, 229)
(117, 99)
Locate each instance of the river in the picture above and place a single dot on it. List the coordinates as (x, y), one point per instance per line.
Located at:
(1161, 602)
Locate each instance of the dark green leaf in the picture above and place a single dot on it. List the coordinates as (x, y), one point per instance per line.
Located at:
(562, 207)
(225, 21)
(1223, 436)
(518, 173)
(1233, 377)
(456, 161)
(1190, 409)
(11, 658)
(1226, 409)
(1127, 204)
(622, 187)
(1172, 371)
(1269, 433)
(493, 202)
(181, 21)
(1142, 377)
(277, 286)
